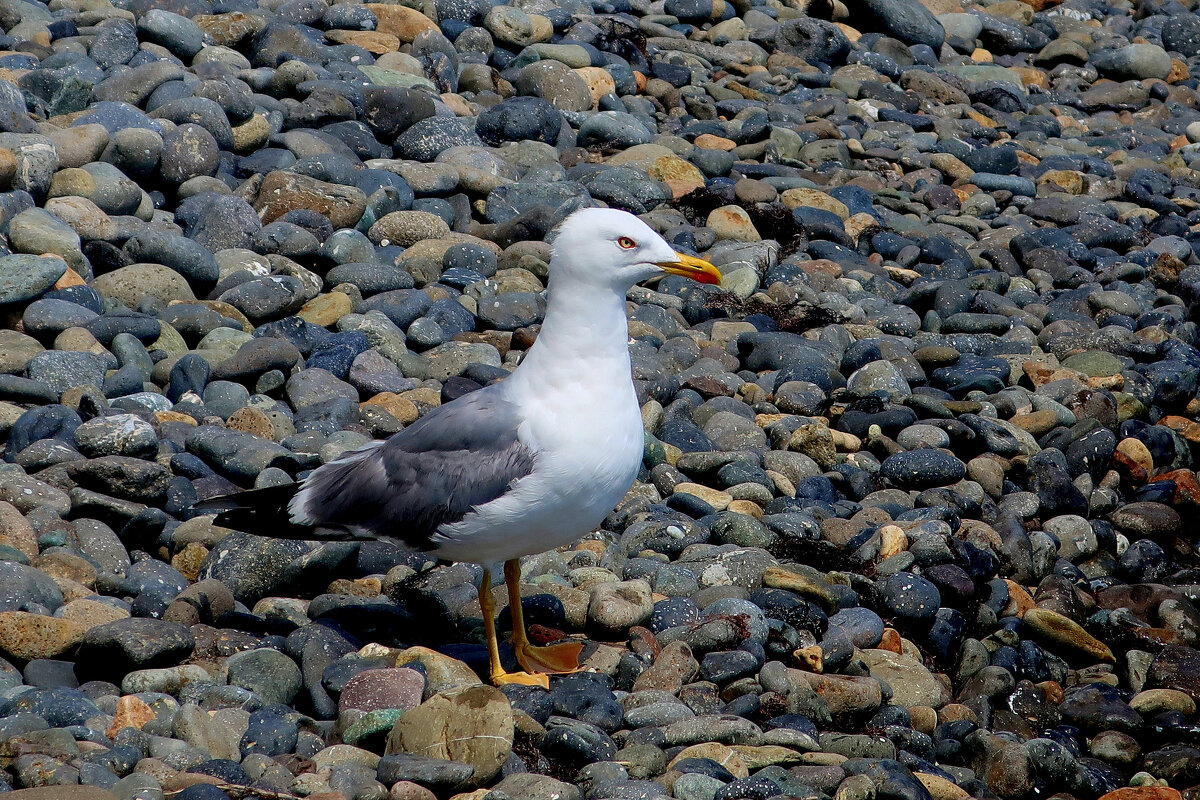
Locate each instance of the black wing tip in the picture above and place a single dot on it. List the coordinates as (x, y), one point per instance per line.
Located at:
(252, 505)
(264, 512)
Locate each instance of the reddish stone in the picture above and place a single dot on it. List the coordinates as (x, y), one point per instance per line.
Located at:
(643, 642)
(407, 790)
(891, 641)
(1129, 469)
(1143, 793)
(132, 712)
(544, 634)
(1187, 487)
(1140, 598)
(375, 689)
(1185, 427)
(1052, 691)
(708, 386)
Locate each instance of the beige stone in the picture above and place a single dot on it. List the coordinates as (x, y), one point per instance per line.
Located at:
(940, 788)
(714, 497)
(85, 217)
(16, 532)
(90, 613)
(1055, 629)
(724, 755)
(1065, 180)
(131, 284)
(402, 22)
(1137, 452)
(473, 725)
(373, 42)
(781, 578)
(401, 408)
(813, 198)
(1155, 701)
(326, 309)
(912, 683)
(598, 81)
(732, 222)
(406, 228)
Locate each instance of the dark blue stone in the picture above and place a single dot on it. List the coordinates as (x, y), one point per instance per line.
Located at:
(452, 316)
(672, 613)
(270, 733)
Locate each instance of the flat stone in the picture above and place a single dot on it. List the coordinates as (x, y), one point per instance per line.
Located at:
(1057, 630)
(27, 277)
(912, 683)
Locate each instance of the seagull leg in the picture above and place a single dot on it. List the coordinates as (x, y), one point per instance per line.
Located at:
(555, 658)
(498, 674)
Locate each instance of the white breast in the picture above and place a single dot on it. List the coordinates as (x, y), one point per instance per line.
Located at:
(589, 440)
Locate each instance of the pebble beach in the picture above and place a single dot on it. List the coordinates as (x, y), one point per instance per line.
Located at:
(912, 522)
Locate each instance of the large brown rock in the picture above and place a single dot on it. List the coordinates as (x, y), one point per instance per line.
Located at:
(402, 22)
(131, 284)
(844, 694)
(26, 636)
(472, 725)
(282, 192)
(63, 793)
(1176, 667)
(1003, 765)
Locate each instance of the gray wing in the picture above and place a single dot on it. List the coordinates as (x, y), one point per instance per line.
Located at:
(458, 456)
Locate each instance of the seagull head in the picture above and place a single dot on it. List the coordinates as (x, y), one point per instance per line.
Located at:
(605, 247)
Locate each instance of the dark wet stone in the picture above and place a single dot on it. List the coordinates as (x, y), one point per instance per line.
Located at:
(1181, 33)
(218, 221)
(1098, 707)
(24, 588)
(911, 597)
(908, 21)
(251, 566)
(430, 772)
(922, 468)
(519, 118)
(423, 140)
(113, 649)
(813, 40)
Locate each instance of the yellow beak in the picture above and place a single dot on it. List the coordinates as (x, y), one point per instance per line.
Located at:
(695, 268)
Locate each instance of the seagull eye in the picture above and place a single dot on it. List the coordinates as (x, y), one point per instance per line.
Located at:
(626, 243)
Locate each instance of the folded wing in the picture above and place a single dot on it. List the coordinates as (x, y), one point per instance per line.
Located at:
(457, 457)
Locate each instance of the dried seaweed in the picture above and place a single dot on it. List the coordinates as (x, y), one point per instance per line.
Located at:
(795, 317)
(770, 219)
(621, 38)
(239, 792)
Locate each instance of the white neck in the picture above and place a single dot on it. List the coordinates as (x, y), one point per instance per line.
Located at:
(585, 337)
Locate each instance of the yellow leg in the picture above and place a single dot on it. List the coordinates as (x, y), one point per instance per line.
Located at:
(498, 675)
(555, 658)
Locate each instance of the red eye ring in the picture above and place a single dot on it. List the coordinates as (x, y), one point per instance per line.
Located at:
(626, 243)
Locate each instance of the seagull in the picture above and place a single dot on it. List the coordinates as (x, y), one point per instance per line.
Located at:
(521, 466)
